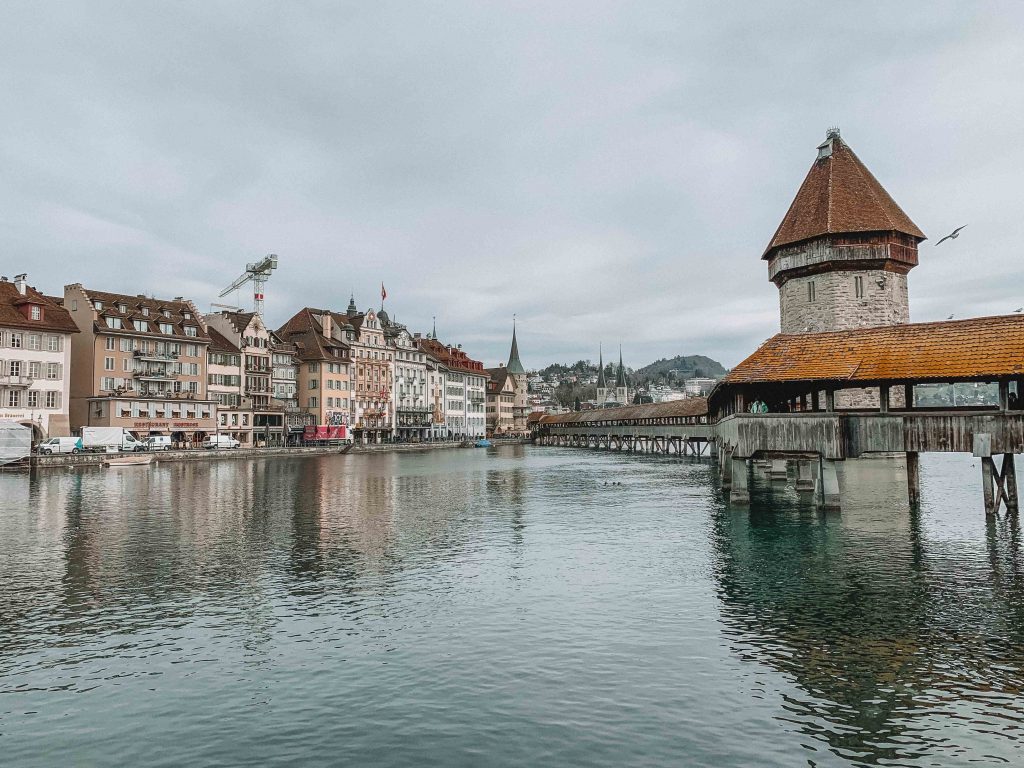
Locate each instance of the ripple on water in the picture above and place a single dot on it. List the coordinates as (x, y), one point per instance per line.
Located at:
(508, 607)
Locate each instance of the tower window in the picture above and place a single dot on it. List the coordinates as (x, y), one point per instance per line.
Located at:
(858, 286)
(811, 295)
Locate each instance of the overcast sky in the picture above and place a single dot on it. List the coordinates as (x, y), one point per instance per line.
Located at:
(607, 171)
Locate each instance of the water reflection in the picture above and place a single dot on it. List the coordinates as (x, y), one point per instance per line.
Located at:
(889, 635)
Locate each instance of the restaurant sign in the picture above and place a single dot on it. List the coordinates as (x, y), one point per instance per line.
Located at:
(165, 425)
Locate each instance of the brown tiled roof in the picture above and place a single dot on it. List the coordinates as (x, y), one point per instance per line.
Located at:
(306, 333)
(134, 306)
(452, 358)
(840, 196)
(497, 379)
(220, 343)
(239, 320)
(979, 348)
(691, 406)
(55, 317)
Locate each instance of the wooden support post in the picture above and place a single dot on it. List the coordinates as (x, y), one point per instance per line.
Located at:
(914, 478)
(830, 400)
(829, 485)
(988, 475)
(815, 404)
(1010, 484)
(739, 491)
(883, 398)
(1004, 396)
(908, 396)
(726, 470)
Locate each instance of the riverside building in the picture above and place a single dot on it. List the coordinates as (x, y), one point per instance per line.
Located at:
(224, 377)
(35, 357)
(507, 406)
(323, 375)
(139, 362)
(409, 395)
(459, 390)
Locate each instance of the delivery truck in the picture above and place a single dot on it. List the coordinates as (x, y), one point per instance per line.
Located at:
(106, 438)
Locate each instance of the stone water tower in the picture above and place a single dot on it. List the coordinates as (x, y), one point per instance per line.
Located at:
(841, 255)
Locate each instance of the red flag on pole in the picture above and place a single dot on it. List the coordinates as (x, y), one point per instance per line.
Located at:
(383, 293)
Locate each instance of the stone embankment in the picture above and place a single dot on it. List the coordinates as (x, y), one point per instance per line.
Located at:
(97, 459)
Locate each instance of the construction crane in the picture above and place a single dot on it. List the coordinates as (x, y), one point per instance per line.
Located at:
(259, 273)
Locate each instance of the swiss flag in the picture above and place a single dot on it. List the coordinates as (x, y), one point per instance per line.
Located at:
(383, 293)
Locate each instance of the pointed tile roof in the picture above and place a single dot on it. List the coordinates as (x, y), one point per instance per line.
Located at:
(514, 365)
(840, 196)
(620, 375)
(602, 383)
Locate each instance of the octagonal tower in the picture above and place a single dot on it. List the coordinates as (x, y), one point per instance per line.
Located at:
(841, 255)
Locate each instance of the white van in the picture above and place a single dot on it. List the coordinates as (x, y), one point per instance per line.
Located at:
(60, 445)
(158, 443)
(220, 441)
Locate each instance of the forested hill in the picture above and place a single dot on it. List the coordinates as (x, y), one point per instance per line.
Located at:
(687, 366)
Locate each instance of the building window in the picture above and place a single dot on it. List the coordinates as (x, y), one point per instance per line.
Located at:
(16, 340)
(98, 304)
(190, 330)
(109, 343)
(108, 363)
(313, 403)
(145, 311)
(14, 398)
(858, 286)
(142, 325)
(53, 343)
(811, 295)
(32, 398)
(114, 322)
(53, 371)
(166, 328)
(36, 312)
(34, 342)
(52, 399)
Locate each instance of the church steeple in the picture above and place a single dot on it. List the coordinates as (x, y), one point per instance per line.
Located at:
(514, 364)
(601, 382)
(620, 375)
(352, 309)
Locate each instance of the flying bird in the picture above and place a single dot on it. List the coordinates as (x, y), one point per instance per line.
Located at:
(950, 317)
(1018, 310)
(951, 236)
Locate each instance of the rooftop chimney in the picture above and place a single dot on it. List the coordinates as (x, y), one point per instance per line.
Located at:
(20, 284)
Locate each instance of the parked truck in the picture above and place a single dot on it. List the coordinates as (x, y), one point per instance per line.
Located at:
(107, 438)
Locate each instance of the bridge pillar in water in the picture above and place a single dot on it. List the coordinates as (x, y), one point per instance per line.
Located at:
(725, 469)
(829, 484)
(914, 478)
(739, 490)
(804, 475)
(777, 471)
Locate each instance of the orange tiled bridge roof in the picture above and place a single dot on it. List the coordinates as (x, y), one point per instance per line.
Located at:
(978, 348)
(691, 406)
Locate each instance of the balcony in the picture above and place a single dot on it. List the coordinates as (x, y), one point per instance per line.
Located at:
(155, 375)
(15, 381)
(154, 357)
(260, 369)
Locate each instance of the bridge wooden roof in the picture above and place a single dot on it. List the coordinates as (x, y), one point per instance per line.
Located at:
(979, 348)
(840, 196)
(691, 406)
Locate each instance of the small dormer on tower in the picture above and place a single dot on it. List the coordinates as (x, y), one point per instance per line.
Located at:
(841, 255)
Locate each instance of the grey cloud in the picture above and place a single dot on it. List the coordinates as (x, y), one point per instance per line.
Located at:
(606, 171)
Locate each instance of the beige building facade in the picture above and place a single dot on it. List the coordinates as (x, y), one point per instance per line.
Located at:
(35, 359)
(140, 363)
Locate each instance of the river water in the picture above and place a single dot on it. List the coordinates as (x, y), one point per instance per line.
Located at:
(508, 607)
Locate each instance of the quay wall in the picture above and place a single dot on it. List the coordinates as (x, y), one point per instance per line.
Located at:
(97, 459)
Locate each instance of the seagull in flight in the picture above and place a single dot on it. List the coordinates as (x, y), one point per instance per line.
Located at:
(1018, 310)
(951, 236)
(950, 317)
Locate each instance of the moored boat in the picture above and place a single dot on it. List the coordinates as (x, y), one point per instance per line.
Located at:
(127, 461)
(483, 442)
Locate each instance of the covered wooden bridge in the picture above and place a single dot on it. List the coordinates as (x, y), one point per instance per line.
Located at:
(820, 398)
(678, 427)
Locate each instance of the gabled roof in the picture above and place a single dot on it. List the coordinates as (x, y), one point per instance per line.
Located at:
(306, 333)
(54, 316)
(840, 196)
(221, 343)
(452, 358)
(978, 348)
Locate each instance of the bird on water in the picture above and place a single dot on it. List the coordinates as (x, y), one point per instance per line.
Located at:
(951, 236)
